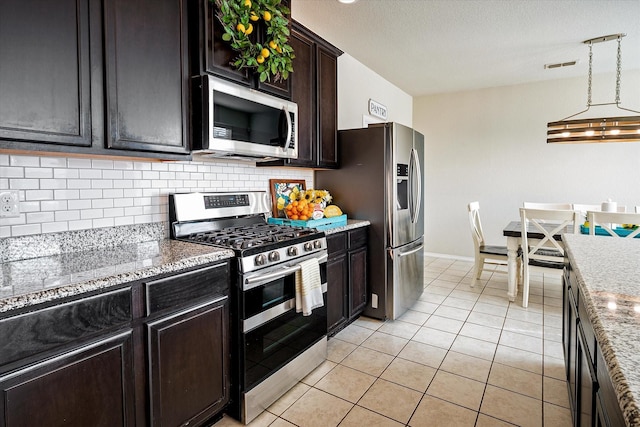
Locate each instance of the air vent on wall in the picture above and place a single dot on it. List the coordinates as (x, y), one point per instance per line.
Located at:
(560, 64)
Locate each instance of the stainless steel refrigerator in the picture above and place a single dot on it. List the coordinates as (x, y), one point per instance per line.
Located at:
(380, 180)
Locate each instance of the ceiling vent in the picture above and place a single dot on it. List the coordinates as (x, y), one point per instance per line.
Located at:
(560, 65)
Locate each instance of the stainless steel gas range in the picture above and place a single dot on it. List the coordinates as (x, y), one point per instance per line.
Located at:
(273, 346)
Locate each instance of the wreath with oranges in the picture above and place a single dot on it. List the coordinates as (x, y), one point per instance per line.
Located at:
(240, 18)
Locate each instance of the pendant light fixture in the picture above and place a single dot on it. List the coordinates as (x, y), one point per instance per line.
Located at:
(625, 128)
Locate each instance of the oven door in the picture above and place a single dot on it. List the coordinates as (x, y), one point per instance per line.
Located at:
(272, 332)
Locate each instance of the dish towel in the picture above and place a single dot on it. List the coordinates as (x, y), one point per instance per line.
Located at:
(308, 287)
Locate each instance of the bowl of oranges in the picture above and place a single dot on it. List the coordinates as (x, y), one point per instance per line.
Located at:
(300, 209)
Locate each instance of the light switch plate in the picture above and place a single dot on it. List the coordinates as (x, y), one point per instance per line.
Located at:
(9, 203)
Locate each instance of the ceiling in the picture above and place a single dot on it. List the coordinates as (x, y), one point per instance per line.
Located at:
(435, 46)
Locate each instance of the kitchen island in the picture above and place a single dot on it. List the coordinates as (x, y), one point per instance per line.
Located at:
(603, 287)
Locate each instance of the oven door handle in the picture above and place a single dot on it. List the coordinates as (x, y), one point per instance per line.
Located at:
(266, 277)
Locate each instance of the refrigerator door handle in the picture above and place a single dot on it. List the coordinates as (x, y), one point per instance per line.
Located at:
(401, 254)
(416, 185)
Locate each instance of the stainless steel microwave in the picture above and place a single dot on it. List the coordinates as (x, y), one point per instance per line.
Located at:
(232, 121)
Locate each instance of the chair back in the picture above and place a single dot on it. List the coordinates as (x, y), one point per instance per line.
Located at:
(548, 206)
(583, 209)
(475, 224)
(607, 219)
(548, 223)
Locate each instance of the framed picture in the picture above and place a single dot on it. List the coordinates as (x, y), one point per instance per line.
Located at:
(281, 190)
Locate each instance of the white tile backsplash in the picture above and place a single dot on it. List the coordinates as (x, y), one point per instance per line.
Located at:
(62, 194)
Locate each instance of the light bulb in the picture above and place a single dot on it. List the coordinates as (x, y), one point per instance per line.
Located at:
(615, 131)
(589, 133)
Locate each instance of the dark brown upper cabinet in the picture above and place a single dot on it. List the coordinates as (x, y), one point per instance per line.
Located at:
(210, 54)
(314, 87)
(94, 77)
(146, 75)
(45, 72)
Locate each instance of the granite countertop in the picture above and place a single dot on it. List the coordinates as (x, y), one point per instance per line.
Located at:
(351, 224)
(607, 271)
(34, 280)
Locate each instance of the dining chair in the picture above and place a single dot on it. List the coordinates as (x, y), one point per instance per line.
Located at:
(543, 252)
(583, 209)
(606, 220)
(547, 206)
(484, 254)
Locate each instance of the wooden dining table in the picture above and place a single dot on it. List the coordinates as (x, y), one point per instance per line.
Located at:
(513, 233)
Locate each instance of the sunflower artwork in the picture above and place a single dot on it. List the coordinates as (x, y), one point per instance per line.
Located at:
(282, 193)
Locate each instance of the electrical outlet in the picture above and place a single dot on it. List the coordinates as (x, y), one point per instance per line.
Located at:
(9, 203)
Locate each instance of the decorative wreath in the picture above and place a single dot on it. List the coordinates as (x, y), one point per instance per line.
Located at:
(240, 18)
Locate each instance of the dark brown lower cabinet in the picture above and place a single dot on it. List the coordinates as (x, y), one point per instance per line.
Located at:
(188, 354)
(152, 353)
(593, 400)
(346, 277)
(88, 386)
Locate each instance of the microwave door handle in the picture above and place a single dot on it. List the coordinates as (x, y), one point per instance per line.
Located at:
(287, 141)
(284, 140)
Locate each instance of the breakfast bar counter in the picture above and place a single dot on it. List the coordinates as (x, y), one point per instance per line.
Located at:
(606, 271)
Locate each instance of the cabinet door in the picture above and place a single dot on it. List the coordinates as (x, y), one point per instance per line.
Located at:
(303, 93)
(337, 291)
(216, 55)
(357, 280)
(327, 95)
(586, 385)
(189, 365)
(91, 386)
(44, 73)
(146, 75)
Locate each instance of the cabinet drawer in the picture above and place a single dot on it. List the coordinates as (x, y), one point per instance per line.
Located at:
(336, 243)
(49, 328)
(181, 289)
(357, 238)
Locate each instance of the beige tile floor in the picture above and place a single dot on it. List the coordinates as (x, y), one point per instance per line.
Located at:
(461, 357)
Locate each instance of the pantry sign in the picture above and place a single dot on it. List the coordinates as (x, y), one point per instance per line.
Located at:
(377, 110)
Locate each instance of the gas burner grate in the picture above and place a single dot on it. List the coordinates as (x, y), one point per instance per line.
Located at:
(250, 236)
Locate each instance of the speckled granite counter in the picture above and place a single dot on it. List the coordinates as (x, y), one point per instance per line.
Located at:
(351, 224)
(110, 262)
(607, 272)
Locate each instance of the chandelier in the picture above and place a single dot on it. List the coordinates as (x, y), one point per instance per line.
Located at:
(624, 128)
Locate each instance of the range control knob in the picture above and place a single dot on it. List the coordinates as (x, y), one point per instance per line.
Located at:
(274, 256)
(292, 251)
(260, 259)
(317, 244)
(308, 246)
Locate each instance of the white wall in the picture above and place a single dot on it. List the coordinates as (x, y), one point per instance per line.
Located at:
(357, 84)
(490, 145)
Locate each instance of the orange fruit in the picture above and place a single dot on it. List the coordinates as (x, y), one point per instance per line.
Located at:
(265, 52)
(254, 17)
(260, 59)
(249, 29)
(266, 16)
(247, 3)
(273, 44)
(241, 28)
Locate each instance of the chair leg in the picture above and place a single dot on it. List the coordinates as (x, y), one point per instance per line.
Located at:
(477, 271)
(525, 286)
